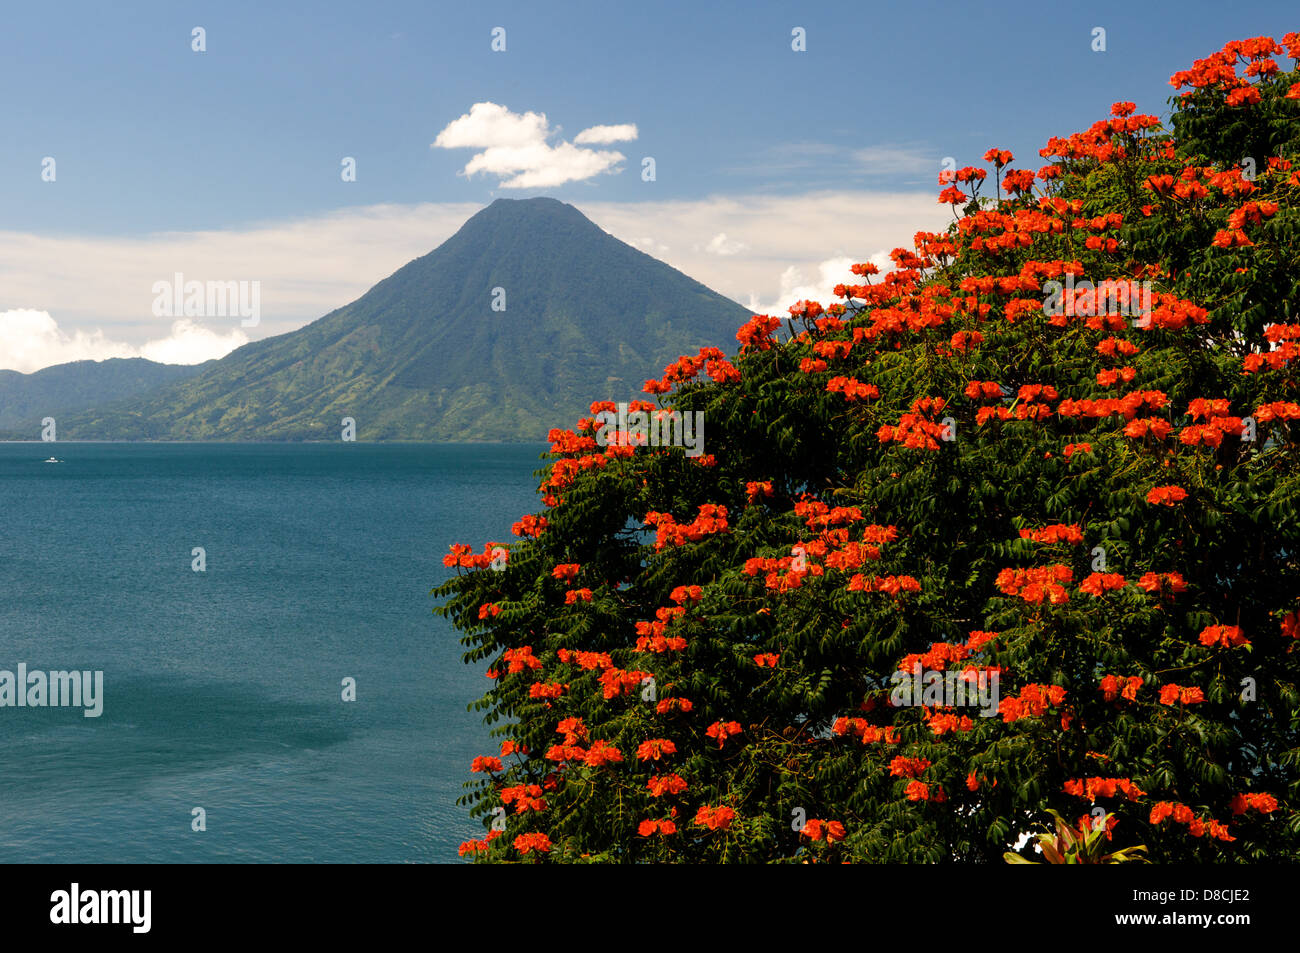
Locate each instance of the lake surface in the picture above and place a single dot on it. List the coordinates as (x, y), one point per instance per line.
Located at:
(223, 688)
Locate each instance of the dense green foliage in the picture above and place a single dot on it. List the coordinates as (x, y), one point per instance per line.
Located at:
(1099, 509)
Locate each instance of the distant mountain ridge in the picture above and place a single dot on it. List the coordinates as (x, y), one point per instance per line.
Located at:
(27, 399)
(423, 356)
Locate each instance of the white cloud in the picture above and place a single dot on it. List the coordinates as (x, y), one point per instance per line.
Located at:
(101, 286)
(720, 244)
(191, 343)
(515, 147)
(785, 258)
(604, 135)
(31, 340)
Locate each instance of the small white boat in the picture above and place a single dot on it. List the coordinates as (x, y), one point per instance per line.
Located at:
(53, 460)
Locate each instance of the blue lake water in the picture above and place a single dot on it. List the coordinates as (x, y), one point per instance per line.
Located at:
(222, 689)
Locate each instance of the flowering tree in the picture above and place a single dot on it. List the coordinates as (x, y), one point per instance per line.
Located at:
(1052, 454)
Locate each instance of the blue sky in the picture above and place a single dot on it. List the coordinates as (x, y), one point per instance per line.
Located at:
(157, 146)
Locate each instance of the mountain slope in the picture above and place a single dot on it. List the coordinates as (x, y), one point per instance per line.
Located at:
(25, 399)
(423, 355)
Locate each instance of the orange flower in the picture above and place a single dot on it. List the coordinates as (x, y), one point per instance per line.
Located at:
(1174, 694)
(1168, 495)
(715, 818)
(654, 749)
(660, 785)
(565, 572)
(526, 843)
(601, 754)
(1227, 636)
(721, 731)
(649, 827)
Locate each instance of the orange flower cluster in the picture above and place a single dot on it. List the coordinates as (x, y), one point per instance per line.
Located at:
(1284, 338)
(1196, 826)
(1168, 495)
(602, 753)
(487, 764)
(815, 830)
(817, 514)
(615, 682)
(684, 594)
(1036, 584)
(1093, 788)
(901, 767)
(655, 748)
(1056, 533)
(913, 429)
(1172, 582)
(577, 595)
(549, 690)
(1266, 413)
(756, 334)
(525, 797)
(585, 660)
(662, 784)
(667, 705)
(1264, 803)
(530, 525)
(942, 722)
(715, 818)
(1217, 424)
(1032, 701)
(1072, 448)
(566, 572)
(1109, 378)
(1142, 427)
(766, 660)
(755, 489)
(648, 828)
(462, 555)
(1128, 405)
(526, 843)
(893, 585)
(1112, 346)
(920, 791)
(489, 610)
(1176, 695)
(1100, 583)
(852, 388)
(1291, 625)
(866, 733)
(712, 518)
(1226, 636)
(720, 731)
(983, 389)
(521, 658)
(1174, 314)
(1113, 687)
